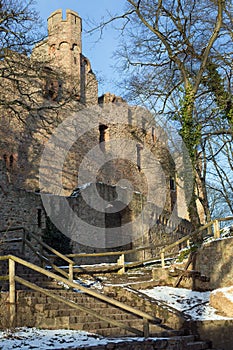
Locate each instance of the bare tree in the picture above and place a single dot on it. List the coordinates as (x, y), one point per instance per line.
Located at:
(178, 59)
(20, 77)
(220, 167)
(28, 84)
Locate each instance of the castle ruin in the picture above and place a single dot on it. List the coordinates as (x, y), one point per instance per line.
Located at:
(67, 87)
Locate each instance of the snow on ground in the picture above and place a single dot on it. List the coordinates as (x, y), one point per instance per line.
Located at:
(32, 338)
(191, 303)
(225, 232)
(96, 284)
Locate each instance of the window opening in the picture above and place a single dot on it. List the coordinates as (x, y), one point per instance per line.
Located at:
(172, 184)
(11, 160)
(39, 217)
(102, 135)
(139, 160)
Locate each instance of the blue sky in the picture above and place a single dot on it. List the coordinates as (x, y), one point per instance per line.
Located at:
(101, 52)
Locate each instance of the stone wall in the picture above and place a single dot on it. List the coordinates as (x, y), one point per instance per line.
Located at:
(19, 208)
(219, 332)
(141, 344)
(169, 316)
(100, 218)
(214, 260)
(120, 218)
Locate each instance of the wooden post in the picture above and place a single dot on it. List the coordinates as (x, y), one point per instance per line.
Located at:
(12, 292)
(71, 273)
(209, 230)
(12, 281)
(121, 262)
(42, 262)
(146, 331)
(216, 229)
(188, 243)
(162, 258)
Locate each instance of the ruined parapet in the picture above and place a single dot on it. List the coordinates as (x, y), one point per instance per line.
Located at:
(110, 98)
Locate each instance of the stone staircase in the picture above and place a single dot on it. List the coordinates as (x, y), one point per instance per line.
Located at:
(37, 310)
(34, 309)
(45, 312)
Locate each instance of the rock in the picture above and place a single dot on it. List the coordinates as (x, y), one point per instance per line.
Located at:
(222, 300)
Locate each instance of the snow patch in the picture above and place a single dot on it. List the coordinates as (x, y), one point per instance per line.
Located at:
(32, 338)
(191, 303)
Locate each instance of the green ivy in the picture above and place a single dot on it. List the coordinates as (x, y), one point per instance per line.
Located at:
(184, 253)
(223, 98)
(190, 131)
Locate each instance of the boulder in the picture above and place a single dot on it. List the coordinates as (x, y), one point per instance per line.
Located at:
(222, 300)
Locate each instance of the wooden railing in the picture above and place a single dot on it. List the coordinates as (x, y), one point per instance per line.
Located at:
(41, 254)
(45, 257)
(214, 225)
(165, 252)
(13, 278)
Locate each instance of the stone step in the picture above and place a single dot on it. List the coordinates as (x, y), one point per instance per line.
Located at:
(63, 292)
(100, 327)
(97, 326)
(58, 311)
(197, 345)
(50, 304)
(81, 316)
(112, 331)
(73, 297)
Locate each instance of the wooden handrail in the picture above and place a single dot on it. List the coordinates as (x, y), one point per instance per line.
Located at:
(74, 285)
(44, 258)
(162, 252)
(54, 251)
(77, 306)
(8, 229)
(196, 232)
(125, 252)
(43, 244)
(227, 218)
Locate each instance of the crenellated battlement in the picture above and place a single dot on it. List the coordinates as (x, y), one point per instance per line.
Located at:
(56, 19)
(65, 33)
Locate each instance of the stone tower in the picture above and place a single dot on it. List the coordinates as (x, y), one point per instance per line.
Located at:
(62, 51)
(65, 43)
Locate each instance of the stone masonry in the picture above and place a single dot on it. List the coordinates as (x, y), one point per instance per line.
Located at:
(134, 148)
